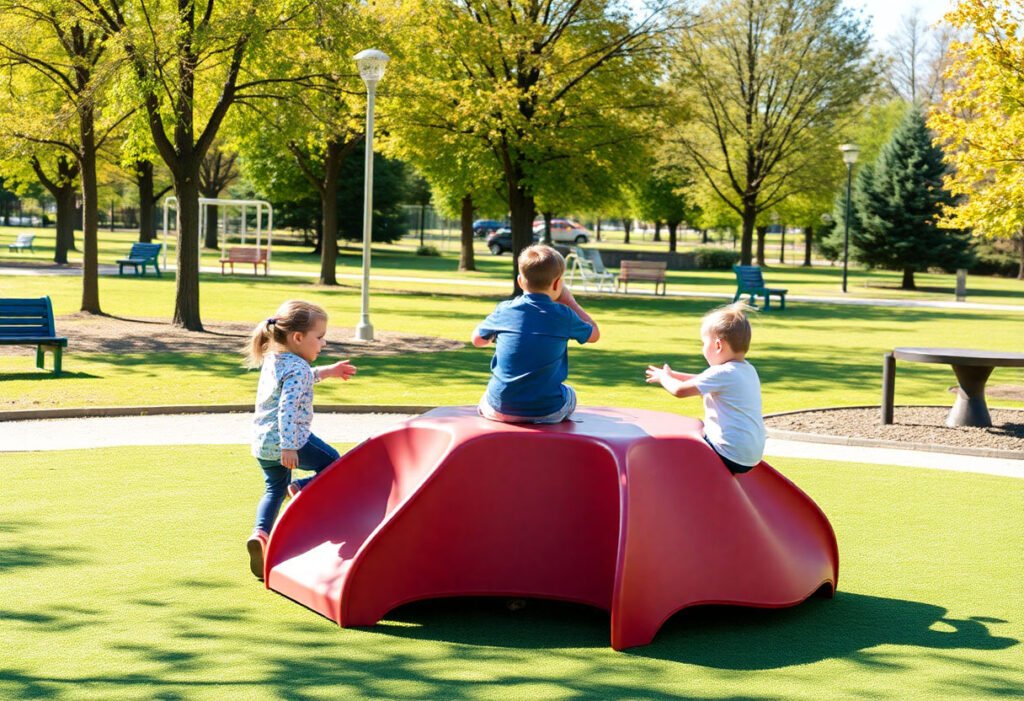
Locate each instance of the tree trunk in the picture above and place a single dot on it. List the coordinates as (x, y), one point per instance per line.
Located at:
(90, 213)
(808, 239)
(704, 236)
(1020, 246)
(908, 279)
(147, 204)
(657, 231)
(782, 248)
(65, 197)
(747, 240)
(211, 238)
(597, 230)
(467, 260)
(672, 227)
(546, 237)
(522, 209)
(329, 207)
(761, 231)
(186, 298)
(627, 227)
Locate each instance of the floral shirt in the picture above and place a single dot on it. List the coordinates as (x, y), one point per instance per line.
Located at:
(284, 405)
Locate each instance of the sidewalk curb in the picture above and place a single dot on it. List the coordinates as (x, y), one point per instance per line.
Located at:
(99, 412)
(857, 442)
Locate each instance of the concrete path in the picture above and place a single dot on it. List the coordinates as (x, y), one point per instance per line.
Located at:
(504, 285)
(233, 429)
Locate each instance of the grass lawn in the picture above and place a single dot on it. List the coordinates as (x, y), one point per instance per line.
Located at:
(813, 355)
(125, 577)
(398, 260)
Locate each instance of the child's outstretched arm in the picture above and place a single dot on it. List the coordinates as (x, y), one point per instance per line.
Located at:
(678, 384)
(478, 340)
(568, 300)
(343, 369)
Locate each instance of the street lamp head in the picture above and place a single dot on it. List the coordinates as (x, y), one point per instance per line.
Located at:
(371, 63)
(850, 153)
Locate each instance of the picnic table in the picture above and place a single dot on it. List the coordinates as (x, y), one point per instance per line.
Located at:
(972, 369)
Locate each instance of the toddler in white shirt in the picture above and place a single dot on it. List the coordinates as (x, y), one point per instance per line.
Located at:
(733, 424)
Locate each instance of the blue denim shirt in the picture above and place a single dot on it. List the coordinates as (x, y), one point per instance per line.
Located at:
(284, 406)
(531, 357)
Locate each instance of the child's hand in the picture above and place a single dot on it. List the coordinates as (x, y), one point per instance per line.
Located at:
(290, 458)
(343, 369)
(656, 374)
(565, 297)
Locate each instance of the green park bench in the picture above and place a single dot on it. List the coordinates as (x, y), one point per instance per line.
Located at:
(22, 242)
(29, 322)
(749, 280)
(141, 254)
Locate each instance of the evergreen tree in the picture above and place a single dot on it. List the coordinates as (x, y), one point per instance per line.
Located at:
(898, 203)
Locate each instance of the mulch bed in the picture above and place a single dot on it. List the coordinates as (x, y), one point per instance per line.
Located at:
(911, 424)
(88, 333)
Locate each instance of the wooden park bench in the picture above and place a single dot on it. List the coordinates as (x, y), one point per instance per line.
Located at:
(590, 268)
(240, 254)
(750, 281)
(29, 322)
(22, 242)
(141, 254)
(648, 270)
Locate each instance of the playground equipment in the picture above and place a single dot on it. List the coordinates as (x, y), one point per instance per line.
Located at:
(626, 510)
(261, 208)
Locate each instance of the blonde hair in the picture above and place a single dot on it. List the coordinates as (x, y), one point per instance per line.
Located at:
(541, 265)
(292, 316)
(730, 324)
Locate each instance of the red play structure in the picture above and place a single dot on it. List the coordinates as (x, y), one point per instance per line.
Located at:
(622, 509)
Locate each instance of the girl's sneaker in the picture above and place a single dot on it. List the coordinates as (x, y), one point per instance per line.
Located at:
(256, 545)
(295, 487)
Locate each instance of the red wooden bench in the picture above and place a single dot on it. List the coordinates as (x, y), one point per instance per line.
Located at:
(241, 254)
(649, 270)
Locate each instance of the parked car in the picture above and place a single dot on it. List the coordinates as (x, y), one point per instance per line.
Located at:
(563, 231)
(501, 240)
(483, 227)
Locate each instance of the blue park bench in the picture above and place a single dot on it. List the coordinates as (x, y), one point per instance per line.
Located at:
(142, 254)
(22, 242)
(749, 280)
(29, 322)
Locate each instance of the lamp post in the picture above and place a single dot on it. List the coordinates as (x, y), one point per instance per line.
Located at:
(371, 65)
(850, 153)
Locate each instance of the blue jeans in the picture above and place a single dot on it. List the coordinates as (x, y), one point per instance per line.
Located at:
(488, 412)
(315, 456)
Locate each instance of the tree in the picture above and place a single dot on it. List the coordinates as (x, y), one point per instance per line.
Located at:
(914, 61)
(758, 82)
(661, 197)
(981, 121)
(537, 84)
(187, 66)
(898, 201)
(216, 172)
(60, 54)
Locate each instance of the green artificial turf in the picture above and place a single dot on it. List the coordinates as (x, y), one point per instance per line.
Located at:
(123, 575)
(812, 355)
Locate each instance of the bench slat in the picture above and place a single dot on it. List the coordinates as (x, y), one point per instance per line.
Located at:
(33, 341)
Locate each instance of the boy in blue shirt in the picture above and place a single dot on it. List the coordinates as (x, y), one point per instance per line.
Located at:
(531, 335)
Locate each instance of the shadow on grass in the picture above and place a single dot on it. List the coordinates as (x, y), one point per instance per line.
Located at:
(47, 375)
(21, 548)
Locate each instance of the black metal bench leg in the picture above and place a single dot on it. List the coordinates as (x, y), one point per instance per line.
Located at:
(40, 357)
(57, 352)
(888, 386)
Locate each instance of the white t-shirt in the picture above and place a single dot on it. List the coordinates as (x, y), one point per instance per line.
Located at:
(732, 411)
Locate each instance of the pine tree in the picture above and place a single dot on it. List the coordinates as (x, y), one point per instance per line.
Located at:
(898, 203)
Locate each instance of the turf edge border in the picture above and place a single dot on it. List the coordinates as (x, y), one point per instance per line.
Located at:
(855, 441)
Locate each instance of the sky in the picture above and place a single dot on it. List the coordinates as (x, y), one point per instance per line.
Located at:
(887, 14)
